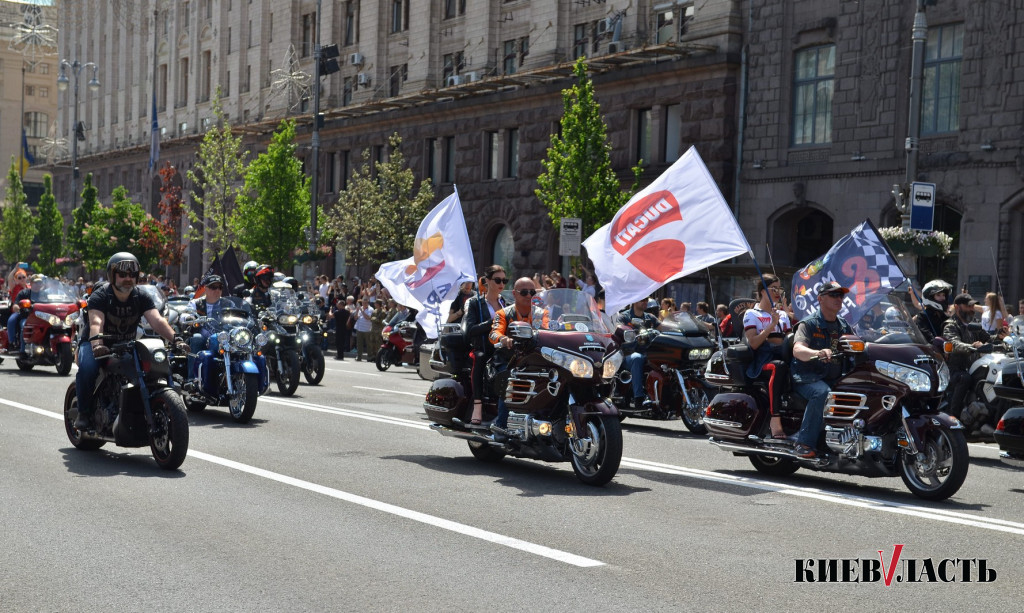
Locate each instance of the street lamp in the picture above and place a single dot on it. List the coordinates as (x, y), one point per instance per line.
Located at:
(62, 84)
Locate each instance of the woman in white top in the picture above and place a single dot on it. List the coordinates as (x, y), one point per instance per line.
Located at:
(993, 319)
(764, 328)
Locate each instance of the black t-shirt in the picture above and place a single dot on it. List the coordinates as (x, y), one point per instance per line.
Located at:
(121, 319)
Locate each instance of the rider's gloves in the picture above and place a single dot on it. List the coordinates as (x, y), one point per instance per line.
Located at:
(101, 351)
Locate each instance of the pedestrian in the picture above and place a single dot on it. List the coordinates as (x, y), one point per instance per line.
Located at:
(363, 326)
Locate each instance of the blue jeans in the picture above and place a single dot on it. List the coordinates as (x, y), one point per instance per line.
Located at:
(197, 343)
(816, 394)
(85, 380)
(502, 418)
(14, 340)
(634, 362)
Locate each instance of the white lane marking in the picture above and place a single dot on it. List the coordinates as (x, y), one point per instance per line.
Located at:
(377, 389)
(398, 421)
(438, 522)
(985, 447)
(355, 372)
(955, 517)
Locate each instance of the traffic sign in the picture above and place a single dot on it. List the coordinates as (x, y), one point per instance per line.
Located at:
(922, 206)
(570, 237)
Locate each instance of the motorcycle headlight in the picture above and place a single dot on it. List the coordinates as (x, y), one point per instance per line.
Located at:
(261, 339)
(304, 337)
(611, 365)
(307, 319)
(579, 366)
(700, 354)
(222, 339)
(71, 319)
(386, 334)
(288, 320)
(917, 380)
(49, 318)
(241, 338)
(943, 372)
(159, 356)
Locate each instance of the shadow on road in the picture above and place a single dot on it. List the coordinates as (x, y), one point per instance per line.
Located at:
(111, 461)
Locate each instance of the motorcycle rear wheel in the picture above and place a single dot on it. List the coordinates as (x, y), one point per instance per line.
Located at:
(313, 366)
(70, 415)
(943, 470)
(64, 359)
(247, 390)
(288, 376)
(484, 452)
(383, 359)
(169, 439)
(774, 465)
(597, 462)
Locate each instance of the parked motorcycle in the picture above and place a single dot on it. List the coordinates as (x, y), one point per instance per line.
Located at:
(881, 418)
(675, 357)
(135, 402)
(51, 322)
(552, 387)
(397, 347)
(235, 375)
(281, 348)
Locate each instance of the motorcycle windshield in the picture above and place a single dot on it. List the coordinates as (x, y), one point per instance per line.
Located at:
(52, 291)
(284, 301)
(683, 323)
(572, 310)
(155, 294)
(895, 326)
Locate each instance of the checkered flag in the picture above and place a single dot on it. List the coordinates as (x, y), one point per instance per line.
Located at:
(861, 261)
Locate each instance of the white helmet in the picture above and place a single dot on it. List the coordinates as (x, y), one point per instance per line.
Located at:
(935, 286)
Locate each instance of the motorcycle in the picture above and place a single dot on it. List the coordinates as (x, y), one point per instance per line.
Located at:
(675, 357)
(552, 387)
(234, 375)
(135, 403)
(52, 318)
(980, 408)
(398, 345)
(281, 350)
(311, 335)
(1007, 383)
(880, 420)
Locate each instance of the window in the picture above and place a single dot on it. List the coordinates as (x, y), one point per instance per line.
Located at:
(813, 81)
(673, 131)
(512, 153)
(250, 33)
(161, 90)
(450, 8)
(399, 15)
(331, 178)
(345, 167)
(185, 15)
(449, 159)
(511, 55)
(204, 76)
(182, 82)
(44, 68)
(453, 64)
(431, 159)
(182, 127)
(579, 40)
(351, 14)
(227, 84)
(346, 92)
(308, 33)
(36, 124)
(491, 145)
(504, 250)
(940, 106)
(229, 39)
(270, 27)
(644, 126)
(30, 90)
(247, 82)
(397, 74)
(671, 23)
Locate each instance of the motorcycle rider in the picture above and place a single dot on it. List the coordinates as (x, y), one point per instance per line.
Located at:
(476, 323)
(16, 281)
(248, 280)
(114, 310)
(264, 278)
(208, 306)
(35, 285)
(813, 369)
(522, 309)
(933, 318)
(638, 318)
(968, 343)
(764, 329)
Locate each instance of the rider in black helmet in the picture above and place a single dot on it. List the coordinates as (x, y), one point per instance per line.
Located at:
(248, 280)
(114, 311)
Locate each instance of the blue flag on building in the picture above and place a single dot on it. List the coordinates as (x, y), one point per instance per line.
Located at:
(27, 159)
(860, 261)
(154, 145)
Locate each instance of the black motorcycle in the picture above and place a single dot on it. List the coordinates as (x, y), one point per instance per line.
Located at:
(1006, 380)
(311, 335)
(135, 404)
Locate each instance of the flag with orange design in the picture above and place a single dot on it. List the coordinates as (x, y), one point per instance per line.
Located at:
(676, 226)
(442, 259)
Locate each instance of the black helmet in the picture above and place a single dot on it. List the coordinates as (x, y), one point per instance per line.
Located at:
(293, 282)
(249, 271)
(936, 286)
(122, 262)
(264, 272)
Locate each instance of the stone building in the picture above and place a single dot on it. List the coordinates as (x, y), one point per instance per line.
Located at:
(827, 117)
(473, 88)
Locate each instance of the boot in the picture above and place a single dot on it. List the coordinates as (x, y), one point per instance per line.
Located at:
(82, 422)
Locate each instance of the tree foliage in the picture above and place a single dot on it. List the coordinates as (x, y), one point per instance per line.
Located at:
(50, 229)
(18, 228)
(81, 218)
(378, 214)
(216, 179)
(578, 179)
(273, 207)
(172, 211)
(123, 226)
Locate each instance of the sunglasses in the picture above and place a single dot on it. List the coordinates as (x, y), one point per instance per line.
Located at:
(126, 275)
(20, 278)
(527, 292)
(833, 294)
(777, 290)
(499, 280)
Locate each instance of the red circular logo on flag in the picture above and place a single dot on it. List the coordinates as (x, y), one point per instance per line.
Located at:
(632, 230)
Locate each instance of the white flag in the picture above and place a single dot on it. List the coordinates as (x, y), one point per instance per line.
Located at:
(679, 224)
(442, 260)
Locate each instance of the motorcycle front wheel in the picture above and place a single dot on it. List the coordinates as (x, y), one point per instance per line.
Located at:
(168, 439)
(64, 359)
(693, 416)
(313, 365)
(288, 375)
(247, 389)
(597, 451)
(384, 360)
(70, 415)
(939, 468)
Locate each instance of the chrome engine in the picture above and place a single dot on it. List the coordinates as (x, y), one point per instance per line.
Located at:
(525, 426)
(850, 441)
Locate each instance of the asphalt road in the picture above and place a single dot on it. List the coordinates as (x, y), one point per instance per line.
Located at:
(340, 499)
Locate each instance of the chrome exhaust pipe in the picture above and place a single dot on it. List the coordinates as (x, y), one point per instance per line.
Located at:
(452, 432)
(746, 449)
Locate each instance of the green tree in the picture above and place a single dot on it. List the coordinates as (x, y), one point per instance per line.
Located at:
(578, 180)
(50, 229)
(273, 208)
(216, 179)
(81, 219)
(17, 229)
(378, 215)
(172, 211)
(123, 226)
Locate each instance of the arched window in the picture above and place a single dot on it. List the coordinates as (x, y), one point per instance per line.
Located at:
(504, 250)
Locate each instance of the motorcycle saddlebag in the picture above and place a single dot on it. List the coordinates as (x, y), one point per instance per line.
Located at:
(732, 415)
(445, 399)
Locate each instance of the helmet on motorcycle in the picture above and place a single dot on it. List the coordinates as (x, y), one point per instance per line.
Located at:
(278, 276)
(264, 273)
(933, 287)
(124, 263)
(249, 270)
(293, 282)
(894, 320)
